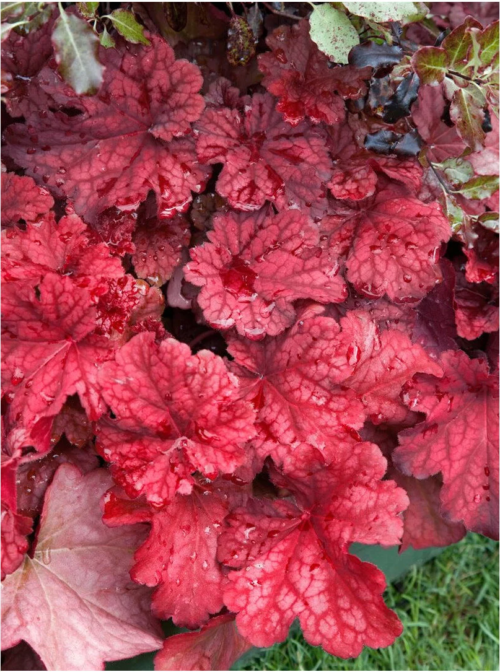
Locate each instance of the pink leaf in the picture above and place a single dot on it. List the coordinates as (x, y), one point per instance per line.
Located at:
(264, 158)
(124, 141)
(49, 350)
(73, 601)
(179, 557)
(298, 74)
(295, 563)
(23, 200)
(458, 439)
(256, 265)
(176, 413)
(424, 524)
(217, 646)
(393, 245)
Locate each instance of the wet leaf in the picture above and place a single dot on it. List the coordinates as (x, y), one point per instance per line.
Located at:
(333, 32)
(480, 187)
(77, 53)
(126, 24)
(375, 55)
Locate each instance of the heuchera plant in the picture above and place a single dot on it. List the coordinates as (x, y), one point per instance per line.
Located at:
(250, 317)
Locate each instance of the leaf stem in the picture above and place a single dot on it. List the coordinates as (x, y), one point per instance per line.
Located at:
(278, 13)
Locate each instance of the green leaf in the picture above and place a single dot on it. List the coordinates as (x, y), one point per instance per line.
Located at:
(458, 43)
(333, 32)
(480, 187)
(457, 171)
(382, 12)
(11, 10)
(490, 221)
(467, 115)
(430, 64)
(488, 43)
(77, 53)
(88, 9)
(125, 23)
(454, 212)
(105, 39)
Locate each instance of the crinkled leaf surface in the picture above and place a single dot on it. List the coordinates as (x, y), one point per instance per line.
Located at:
(458, 439)
(256, 265)
(293, 558)
(179, 557)
(23, 200)
(124, 141)
(394, 245)
(298, 74)
(158, 246)
(176, 413)
(314, 385)
(217, 646)
(49, 352)
(76, 588)
(263, 157)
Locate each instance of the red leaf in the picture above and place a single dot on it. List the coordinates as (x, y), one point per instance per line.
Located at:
(314, 386)
(295, 564)
(179, 556)
(298, 74)
(256, 265)
(49, 350)
(22, 60)
(23, 200)
(476, 308)
(124, 141)
(158, 246)
(217, 646)
(76, 587)
(424, 525)
(15, 529)
(176, 413)
(443, 141)
(62, 248)
(393, 245)
(264, 158)
(458, 438)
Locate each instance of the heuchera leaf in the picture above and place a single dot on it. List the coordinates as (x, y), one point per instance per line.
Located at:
(217, 646)
(298, 74)
(424, 524)
(158, 245)
(458, 439)
(394, 245)
(476, 308)
(49, 351)
(76, 587)
(176, 413)
(442, 140)
(179, 557)
(314, 386)
(293, 558)
(23, 200)
(257, 264)
(264, 158)
(64, 248)
(15, 529)
(132, 135)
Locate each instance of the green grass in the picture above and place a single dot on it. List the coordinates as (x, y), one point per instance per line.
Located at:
(449, 608)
